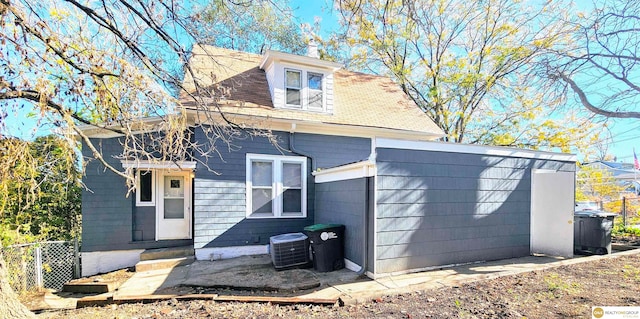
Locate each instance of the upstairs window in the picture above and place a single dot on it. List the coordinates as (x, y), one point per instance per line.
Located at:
(293, 87)
(307, 94)
(314, 85)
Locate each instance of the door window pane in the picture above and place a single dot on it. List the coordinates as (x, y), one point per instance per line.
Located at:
(261, 173)
(174, 208)
(291, 175)
(174, 186)
(261, 201)
(146, 186)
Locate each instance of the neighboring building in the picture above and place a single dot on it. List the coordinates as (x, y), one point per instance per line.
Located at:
(353, 149)
(623, 173)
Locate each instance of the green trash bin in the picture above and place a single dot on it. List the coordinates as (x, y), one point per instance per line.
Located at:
(327, 246)
(592, 231)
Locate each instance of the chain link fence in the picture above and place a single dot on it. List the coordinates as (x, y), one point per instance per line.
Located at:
(41, 265)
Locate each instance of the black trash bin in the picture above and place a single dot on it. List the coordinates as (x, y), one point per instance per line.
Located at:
(592, 231)
(327, 246)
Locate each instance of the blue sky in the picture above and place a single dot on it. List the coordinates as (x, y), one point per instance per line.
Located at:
(625, 132)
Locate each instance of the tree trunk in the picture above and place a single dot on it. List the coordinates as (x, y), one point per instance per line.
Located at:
(10, 306)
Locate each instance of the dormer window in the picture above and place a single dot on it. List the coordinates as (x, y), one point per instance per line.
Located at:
(314, 85)
(293, 87)
(306, 95)
(297, 82)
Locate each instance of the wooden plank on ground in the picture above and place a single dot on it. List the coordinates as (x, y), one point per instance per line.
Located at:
(278, 300)
(101, 300)
(98, 300)
(153, 298)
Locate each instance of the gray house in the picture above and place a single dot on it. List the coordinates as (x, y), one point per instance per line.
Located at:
(351, 148)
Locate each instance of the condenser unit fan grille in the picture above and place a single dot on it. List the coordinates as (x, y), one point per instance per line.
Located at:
(288, 250)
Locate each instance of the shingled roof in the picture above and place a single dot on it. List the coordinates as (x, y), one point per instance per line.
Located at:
(360, 99)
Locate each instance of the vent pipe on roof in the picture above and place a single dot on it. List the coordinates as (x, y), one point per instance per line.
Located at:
(312, 49)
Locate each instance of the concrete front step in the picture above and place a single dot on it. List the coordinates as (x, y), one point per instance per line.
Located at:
(167, 263)
(166, 253)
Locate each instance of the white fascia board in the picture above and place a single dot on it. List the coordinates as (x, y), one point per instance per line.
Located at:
(146, 164)
(323, 128)
(94, 131)
(472, 149)
(346, 172)
(272, 56)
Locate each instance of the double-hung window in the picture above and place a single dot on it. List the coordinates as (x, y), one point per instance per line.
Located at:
(293, 86)
(304, 90)
(276, 186)
(314, 94)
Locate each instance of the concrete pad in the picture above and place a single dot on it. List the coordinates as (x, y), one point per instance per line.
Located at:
(257, 279)
(239, 272)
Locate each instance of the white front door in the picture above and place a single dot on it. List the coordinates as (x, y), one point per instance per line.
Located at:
(173, 210)
(552, 205)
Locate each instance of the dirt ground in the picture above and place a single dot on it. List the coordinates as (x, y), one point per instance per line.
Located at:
(563, 292)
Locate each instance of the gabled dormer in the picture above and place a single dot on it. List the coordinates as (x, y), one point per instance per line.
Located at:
(300, 82)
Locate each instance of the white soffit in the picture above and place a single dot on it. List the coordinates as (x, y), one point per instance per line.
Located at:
(473, 149)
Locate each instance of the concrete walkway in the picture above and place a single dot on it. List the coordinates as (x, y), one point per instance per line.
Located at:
(345, 285)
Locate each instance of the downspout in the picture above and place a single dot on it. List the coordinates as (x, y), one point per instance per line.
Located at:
(365, 226)
(293, 149)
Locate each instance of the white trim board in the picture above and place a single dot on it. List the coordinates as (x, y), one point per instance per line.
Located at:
(473, 149)
(351, 265)
(146, 164)
(345, 172)
(322, 128)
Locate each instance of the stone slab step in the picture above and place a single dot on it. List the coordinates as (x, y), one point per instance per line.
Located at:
(167, 253)
(156, 264)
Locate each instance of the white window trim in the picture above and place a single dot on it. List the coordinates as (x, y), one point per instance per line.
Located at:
(153, 187)
(277, 186)
(300, 89)
(304, 90)
(155, 167)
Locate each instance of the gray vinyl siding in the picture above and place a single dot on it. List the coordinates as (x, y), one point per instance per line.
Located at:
(220, 195)
(144, 222)
(345, 202)
(330, 151)
(438, 208)
(110, 219)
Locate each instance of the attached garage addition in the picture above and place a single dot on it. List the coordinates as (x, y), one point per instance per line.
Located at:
(422, 205)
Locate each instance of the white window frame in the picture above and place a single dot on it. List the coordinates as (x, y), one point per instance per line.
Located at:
(304, 90)
(278, 188)
(300, 88)
(153, 187)
(308, 91)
